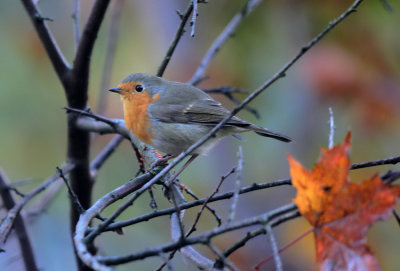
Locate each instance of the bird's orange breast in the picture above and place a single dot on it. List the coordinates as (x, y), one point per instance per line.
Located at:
(136, 116)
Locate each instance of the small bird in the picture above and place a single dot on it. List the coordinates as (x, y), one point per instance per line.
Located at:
(171, 116)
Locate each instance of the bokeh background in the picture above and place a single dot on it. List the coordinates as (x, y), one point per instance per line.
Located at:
(354, 70)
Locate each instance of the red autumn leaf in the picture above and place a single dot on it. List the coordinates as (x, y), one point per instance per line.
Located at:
(341, 212)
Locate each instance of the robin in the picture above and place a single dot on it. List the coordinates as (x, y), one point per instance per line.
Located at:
(171, 116)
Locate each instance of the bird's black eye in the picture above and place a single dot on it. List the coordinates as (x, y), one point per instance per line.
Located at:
(139, 88)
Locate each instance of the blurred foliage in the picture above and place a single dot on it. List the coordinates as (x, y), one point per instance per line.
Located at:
(355, 70)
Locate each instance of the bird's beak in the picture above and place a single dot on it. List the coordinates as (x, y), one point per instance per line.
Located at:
(116, 90)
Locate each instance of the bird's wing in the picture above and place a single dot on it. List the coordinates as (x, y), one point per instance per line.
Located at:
(204, 111)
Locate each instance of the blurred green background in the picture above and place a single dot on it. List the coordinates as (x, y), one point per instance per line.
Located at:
(355, 70)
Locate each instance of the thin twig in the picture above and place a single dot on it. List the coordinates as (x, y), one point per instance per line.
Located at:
(96, 209)
(241, 243)
(199, 213)
(179, 32)
(280, 74)
(71, 192)
(203, 238)
(23, 182)
(386, 161)
(166, 170)
(172, 194)
(198, 75)
(285, 247)
(222, 258)
(190, 253)
(235, 197)
(390, 176)
(89, 239)
(45, 201)
(105, 153)
(195, 13)
(331, 128)
(274, 246)
(16, 191)
(8, 222)
(228, 91)
(92, 115)
(19, 225)
(57, 58)
(116, 126)
(386, 5)
(200, 261)
(113, 144)
(112, 38)
(101, 127)
(87, 40)
(218, 197)
(250, 235)
(397, 216)
(75, 18)
(166, 261)
(193, 195)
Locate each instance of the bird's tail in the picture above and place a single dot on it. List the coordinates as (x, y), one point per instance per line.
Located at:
(267, 133)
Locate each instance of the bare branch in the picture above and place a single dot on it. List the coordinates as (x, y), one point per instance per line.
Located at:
(198, 75)
(179, 32)
(193, 195)
(58, 60)
(204, 238)
(390, 176)
(285, 247)
(387, 161)
(75, 18)
(71, 192)
(274, 246)
(228, 91)
(45, 200)
(223, 178)
(199, 213)
(386, 5)
(241, 243)
(95, 210)
(86, 43)
(235, 198)
(112, 38)
(331, 128)
(397, 216)
(178, 235)
(139, 190)
(7, 223)
(105, 153)
(194, 203)
(224, 261)
(22, 233)
(89, 239)
(114, 124)
(177, 228)
(164, 171)
(101, 127)
(195, 13)
(278, 75)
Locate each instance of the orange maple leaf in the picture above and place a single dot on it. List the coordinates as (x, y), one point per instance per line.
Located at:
(341, 212)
